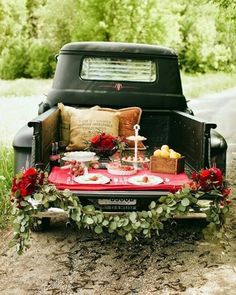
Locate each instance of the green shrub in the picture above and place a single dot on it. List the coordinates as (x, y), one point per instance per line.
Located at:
(41, 62)
(6, 174)
(13, 61)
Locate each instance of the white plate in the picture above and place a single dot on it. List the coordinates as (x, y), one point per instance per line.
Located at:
(79, 156)
(69, 159)
(152, 180)
(86, 179)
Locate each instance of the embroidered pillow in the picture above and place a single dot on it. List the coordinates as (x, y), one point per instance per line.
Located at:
(85, 123)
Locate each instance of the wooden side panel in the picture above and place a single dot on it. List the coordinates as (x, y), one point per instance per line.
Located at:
(49, 134)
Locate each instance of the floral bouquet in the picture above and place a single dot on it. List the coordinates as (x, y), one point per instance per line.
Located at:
(211, 181)
(25, 184)
(105, 145)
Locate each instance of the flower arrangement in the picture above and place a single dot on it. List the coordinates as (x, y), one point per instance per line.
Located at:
(211, 181)
(31, 186)
(25, 184)
(106, 145)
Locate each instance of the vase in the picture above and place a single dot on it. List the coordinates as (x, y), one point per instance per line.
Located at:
(104, 154)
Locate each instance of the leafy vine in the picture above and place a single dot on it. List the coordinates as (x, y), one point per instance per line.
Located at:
(31, 194)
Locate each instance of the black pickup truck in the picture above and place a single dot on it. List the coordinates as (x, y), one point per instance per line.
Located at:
(120, 75)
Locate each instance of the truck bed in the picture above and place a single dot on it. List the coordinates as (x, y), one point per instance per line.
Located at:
(183, 132)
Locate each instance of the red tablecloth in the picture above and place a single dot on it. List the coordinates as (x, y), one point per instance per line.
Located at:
(61, 179)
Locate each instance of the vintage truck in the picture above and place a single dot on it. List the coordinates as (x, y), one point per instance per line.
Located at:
(120, 75)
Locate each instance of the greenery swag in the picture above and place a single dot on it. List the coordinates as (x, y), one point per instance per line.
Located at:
(31, 186)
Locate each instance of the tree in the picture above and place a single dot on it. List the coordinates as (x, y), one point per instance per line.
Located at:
(119, 20)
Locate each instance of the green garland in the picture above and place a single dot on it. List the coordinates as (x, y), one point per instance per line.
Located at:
(129, 225)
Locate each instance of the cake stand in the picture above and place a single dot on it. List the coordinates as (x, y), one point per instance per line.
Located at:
(135, 159)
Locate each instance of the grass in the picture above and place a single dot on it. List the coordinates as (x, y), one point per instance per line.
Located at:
(195, 86)
(6, 173)
(24, 87)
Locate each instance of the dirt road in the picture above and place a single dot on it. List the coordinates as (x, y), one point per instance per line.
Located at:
(219, 108)
(63, 261)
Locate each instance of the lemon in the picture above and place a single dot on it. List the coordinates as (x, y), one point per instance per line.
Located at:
(165, 153)
(157, 153)
(179, 155)
(174, 155)
(165, 147)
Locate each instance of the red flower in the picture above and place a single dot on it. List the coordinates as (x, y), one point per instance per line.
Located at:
(95, 140)
(25, 184)
(30, 172)
(208, 180)
(103, 141)
(204, 174)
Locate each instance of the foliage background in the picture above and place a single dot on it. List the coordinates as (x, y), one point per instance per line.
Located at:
(33, 31)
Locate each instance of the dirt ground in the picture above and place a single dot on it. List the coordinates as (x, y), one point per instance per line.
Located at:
(64, 261)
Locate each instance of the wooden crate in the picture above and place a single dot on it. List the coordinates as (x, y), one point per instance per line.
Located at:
(167, 165)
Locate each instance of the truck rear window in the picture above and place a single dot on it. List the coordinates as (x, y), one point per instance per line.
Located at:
(115, 69)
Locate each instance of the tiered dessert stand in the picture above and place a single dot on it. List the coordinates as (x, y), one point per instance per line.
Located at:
(136, 160)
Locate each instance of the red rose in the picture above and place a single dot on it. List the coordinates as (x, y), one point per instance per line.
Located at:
(30, 172)
(95, 139)
(204, 174)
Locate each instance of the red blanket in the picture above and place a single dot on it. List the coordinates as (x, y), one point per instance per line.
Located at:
(62, 180)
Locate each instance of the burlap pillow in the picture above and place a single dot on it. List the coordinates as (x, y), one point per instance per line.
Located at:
(66, 113)
(86, 123)
(128, 117)
(65, 123)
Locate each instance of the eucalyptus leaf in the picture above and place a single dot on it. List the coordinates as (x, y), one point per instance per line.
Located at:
(95, 219)
(38, 197)
(137, 224)
(89, 208)
(162, 199)
(133, 216)
(128, 237)
(154, 212)
(144, 214)
(159, 210)
(145, 224)
(185, 202)
(46, 204)
(149, 214)
(52, 198)
(120, 223)
(126, 221)
(152, 205)
(88, 220)
(105, 222)
(98, 229)
(145, 231)
(113, 225)
(181, 208)
(99, 218)
(117, 218)
(24, 204)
